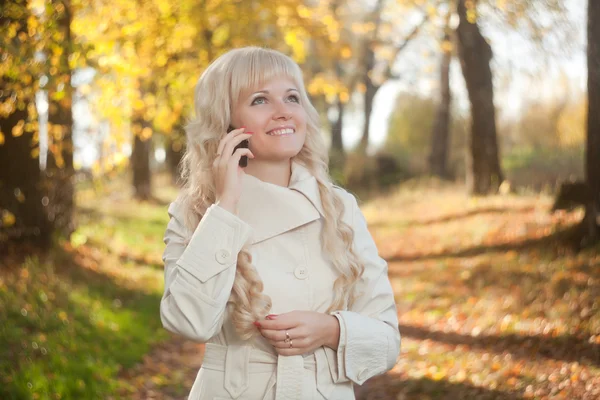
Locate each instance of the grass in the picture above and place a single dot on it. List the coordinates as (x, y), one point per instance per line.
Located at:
(88, 309)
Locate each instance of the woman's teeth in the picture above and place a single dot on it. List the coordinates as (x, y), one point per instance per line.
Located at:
(280, 132)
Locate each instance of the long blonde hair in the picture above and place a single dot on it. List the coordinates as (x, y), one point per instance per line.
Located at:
(218, 88)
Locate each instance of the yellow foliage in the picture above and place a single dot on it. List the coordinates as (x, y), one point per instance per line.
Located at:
(146, 134)
(303, 11)
(8, 218)
(161, 59)
(1, 138)
(220, 35)
(11, 31)
(344, 97)
(572, 125)
(138, 104)
(164, 6)
(18, 130)
(56, 131)
(74, 59)
(32, 24)
(57, 51)
(19, 196)
(447, 46)
(283, 11)
(120, 159)
(346, 52)
(297, 44)
(472, 16)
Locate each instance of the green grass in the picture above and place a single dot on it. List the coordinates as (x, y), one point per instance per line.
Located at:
(74, 317)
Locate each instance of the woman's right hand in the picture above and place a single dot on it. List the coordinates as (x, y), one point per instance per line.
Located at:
(226, 169)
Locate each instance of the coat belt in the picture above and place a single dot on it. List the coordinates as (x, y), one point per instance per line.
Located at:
(238, 361)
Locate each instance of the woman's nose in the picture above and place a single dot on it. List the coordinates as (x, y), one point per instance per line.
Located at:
(281, 112)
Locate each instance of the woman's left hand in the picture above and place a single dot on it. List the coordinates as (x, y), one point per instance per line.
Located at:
(307, 331)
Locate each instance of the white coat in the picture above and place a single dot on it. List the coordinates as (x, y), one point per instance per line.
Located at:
(282, 224)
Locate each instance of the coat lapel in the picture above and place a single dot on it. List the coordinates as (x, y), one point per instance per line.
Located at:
(272, 210)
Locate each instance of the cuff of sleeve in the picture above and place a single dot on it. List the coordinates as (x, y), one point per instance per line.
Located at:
(215, 243)
(364, 348)
(339, 374)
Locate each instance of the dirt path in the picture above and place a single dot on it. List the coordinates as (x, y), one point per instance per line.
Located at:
(166, 373)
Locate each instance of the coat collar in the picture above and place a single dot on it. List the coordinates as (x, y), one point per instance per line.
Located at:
(272, 209)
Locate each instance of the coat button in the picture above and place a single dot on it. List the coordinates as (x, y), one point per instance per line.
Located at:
(222, 256)
(301, 273)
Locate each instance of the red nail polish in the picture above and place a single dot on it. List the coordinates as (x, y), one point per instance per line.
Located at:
(257, 324)
(249, 133)
(271, 316)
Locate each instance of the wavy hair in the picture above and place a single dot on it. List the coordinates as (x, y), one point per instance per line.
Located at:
(218, 89)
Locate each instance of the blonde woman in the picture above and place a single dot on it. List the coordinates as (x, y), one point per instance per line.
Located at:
(270, 264)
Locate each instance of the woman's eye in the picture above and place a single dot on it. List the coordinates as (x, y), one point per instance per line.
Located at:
(259, 100)
(294, 98)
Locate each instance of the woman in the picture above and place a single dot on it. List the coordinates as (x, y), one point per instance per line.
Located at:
(271, 265)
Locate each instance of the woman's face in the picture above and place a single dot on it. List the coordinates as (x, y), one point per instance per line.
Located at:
(275, 116)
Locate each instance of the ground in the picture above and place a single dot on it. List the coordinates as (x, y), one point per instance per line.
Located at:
(492, 304)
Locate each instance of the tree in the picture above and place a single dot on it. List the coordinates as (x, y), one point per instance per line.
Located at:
(59, 185)
(370, 79)
(484, 174)
(592, 159)
(438, 158)
(151, 59)
(22, 205)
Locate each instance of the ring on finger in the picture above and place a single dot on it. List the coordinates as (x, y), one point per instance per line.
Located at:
(287, 338)
(291, 346)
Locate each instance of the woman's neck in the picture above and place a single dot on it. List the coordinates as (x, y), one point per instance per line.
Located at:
(275, 172)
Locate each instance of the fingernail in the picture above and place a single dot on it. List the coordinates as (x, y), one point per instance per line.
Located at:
(249, 133)
(271, 316)
(257, 324)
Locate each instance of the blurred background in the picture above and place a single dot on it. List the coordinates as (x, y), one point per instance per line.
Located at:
(468, 129)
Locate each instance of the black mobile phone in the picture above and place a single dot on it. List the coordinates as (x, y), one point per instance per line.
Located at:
(243, 145)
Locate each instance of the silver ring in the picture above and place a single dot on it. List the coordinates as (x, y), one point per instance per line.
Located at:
(291, 344)
(287, 337)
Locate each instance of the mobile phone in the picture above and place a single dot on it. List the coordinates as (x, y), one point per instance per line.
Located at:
(243, 145)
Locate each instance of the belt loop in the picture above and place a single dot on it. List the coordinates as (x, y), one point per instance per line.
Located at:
(236, 369)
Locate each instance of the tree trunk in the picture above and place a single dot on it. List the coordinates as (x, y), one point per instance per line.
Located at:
(337, 153)
(59, 171)
(592, 159)
(483, 174)
(22, 206)
(370, 92)
(140, 162)
(174, 153)
(440, 137)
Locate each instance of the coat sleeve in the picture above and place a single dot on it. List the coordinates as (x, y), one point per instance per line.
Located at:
(199, 276)
(369, 336)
